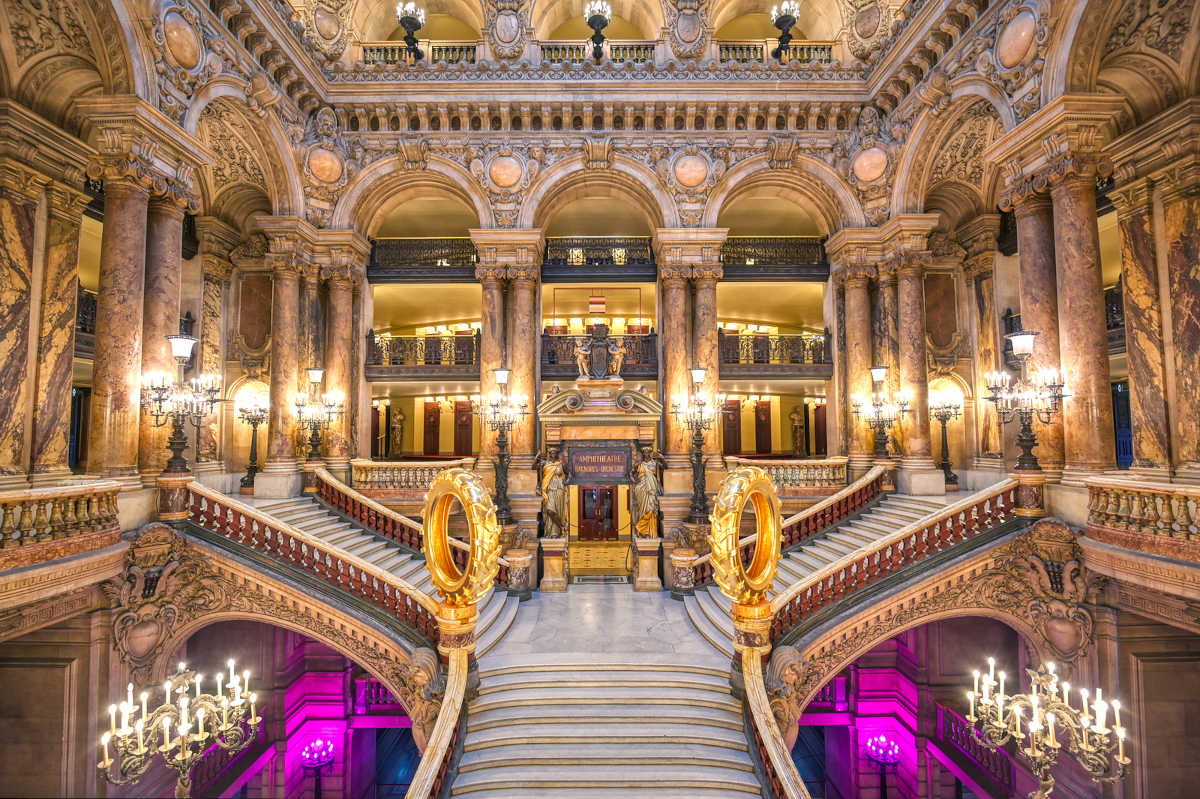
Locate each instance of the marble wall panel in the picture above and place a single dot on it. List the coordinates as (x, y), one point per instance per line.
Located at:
(17, 222)
(1181, 224)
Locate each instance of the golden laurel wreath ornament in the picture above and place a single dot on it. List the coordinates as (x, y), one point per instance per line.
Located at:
(461, 587)
(745, 584)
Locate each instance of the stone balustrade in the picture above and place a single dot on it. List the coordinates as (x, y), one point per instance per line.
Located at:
(40, 524)
(445, 742)
(799, 478)
(1162, 518)
(955, 735)
(399, 479)
(880, 559)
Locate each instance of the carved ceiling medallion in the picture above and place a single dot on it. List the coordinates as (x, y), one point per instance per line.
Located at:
(1015, 39)
(870, 164)
(183, 42)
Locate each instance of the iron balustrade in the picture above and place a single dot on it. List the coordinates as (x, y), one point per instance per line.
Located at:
(641, 355)
(422, 260)
(439, 355)
(774, 354)
(775, 258)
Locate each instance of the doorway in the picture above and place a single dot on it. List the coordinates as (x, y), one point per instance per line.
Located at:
(731, 427)
(762, 427)
(433, 428)
(597, 513)
(462, 428)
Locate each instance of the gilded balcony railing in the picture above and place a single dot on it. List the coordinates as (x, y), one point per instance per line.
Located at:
(795, 477)
(399, 479)
(422, 260)
(444, 355)
(772, 348)
(637, 52)
(40, 524)
(641, 355)
(1161, 518)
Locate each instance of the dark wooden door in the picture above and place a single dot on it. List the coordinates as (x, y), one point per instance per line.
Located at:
(731, 427)
(762, 427)
(819, 448)
(433, 427)
(377, 413)
(597, 516)
(462, 428)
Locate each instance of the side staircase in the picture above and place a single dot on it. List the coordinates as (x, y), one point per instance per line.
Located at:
(496, 611)
(710, 610)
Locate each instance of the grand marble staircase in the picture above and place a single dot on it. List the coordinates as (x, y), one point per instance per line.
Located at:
(710, 610)
(496, 611)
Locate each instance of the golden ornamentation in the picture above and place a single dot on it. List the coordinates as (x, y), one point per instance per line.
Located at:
(465, 586)
(742, 584)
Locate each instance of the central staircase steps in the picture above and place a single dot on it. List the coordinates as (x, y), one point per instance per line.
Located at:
(710, 610)
(496, 611)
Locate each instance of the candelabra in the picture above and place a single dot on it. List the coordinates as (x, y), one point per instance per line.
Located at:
(784, 15)
(316, 414)
(1048, 709)
(179, 402)
(697, 413)
(182, 729)
(944, 407)
(884, 411)
(598, 14)
(885, 752)
(499, 414)
(1038, 396)
(316, 755)
(412, 18)
(254, 416)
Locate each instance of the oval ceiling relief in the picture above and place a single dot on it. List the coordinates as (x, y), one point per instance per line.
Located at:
(1016, 39)
(183, 43)
(691, 170)
(505, 171)
(870, 164)
(325, 165)
(326, 22)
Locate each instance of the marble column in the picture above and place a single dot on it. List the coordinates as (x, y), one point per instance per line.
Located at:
(217, 240)
(19, 193)
(285, 361)
(1089, 439)
(704, 342)
(160, 318)
(491, 343)
(674, 328)
(855, 280)
(978, 236)
(1143, 331)
(917, 473)
(116, 372)
(56, 335)
(309, 354)
(522, 358)
(338, 363)
(1039, 309)
(887, 338)
(1181, 241)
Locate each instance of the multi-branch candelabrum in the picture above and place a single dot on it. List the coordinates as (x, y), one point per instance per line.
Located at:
(1043, 721)
(315, 414)
(1037, 396)
(945, 406)
(178, 401)
(885, 752)
(500, 413)
(182, 729)
(884, 412)
(253, 415)
(315, 756)
(412, 18)
(597, 14)
(784, 16)
(697, 413)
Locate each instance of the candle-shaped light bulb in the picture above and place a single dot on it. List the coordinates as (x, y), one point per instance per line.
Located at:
(246, 681)
(183, 708)
(199, 677)
(182, 666)
(1066, 694)
(1050, 667)
(139, 727)
(129, 697)
(229, 663)
(971, 701)
(104, 758)
(167, 691)
(220, 679)
(1101, 714)
(1002, 677)
(1050, 726)
(143, 696)
(112, 719)
(200, 722)
(253, 700)
(991, 668)
(166, 725)
(975, 675)
(224, 712)
(124, 718)
(1116, 706)
(1120, 743)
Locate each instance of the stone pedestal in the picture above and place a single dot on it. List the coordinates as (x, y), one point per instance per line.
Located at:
(308, 476)
(683, 583)
(646, 578)
(520, 573)
(278, 480)
(554, 565)
(173, 496)
(1031, 500)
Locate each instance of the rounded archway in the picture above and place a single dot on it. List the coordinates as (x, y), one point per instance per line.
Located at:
(559, 20)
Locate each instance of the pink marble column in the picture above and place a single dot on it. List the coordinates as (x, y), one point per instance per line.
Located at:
(19, 190)
(1039, 309)
(339, 329)
(309, 351)
(1181, 237)
(56, 335)
(855, 280)
(887, 338)
(914, 367)
(216, 240)
(285, 363)
(116, 373)
(491, 341)
(674, 328)
(1143, 331)
(522, 356)
(160, 318)
(1089, 439)
(704, 338)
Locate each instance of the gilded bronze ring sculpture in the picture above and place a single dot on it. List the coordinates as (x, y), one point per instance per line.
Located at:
(745, 584)
(461, 587)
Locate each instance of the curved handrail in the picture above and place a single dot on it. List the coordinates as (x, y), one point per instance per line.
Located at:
(313, 543)
(870, 571)
(781, 773)
(435, 762)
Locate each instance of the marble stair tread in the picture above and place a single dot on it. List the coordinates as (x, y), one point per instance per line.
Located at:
(601, 793)
(368, 547)
(719, 638)
(303, 517)
(493, 632)
(580, 753)
(826, 552)
(841, 545)
(850, 532)
(808, 559)
(648, 731)
(873, 525)
(626, 776)
(386, 555)
(568, 694)
(717, 613)
(586, 661)
(602, 679)
(532, 717)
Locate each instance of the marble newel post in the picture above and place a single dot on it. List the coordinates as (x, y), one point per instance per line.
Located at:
(116, 373)
(917, 474)
(56, 335)
(1089, 438)
(280, 468)
(217, 240)
(160, 318)
(1039, 306)
(339, 329)
(854, 281)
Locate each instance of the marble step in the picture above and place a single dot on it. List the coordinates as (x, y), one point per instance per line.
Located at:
(720, 639)
(603, 679)
(650, 731)
(601, 661)
(568, 694)
(494, 632)
(628, 778)
(531, 718)
(575, 754)
(601, 793)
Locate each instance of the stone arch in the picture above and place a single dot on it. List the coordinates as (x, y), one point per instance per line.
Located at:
(570, 180)
(931, 134)
(812, 183)
(388, 182)
(547, 15)
(262, 132)
(820, 19)
(375, 20)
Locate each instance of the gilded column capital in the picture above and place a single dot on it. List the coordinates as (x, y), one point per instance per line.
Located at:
(912, 264)
(16, 178)
(490, 273)
(523, 272)
(708, 271)
(1026, 194)
(674, 272)
(885, 272)
(65, 203)
(338, 275)
(855, 275)
(283, 260)
(1071, 166)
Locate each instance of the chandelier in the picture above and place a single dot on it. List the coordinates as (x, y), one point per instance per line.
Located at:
(884, 412)
(500, 413)
(172, 399)
(784, 16)
(597, 14)
(1037, 396)
(412, 18)
(1043, 721)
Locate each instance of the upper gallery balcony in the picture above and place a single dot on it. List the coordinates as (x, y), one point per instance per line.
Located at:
(439, 355)
(754, 354)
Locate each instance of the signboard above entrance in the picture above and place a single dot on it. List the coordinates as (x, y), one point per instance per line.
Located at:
(598, 463)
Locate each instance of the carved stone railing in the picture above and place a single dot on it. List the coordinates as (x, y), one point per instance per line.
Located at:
(443, 260)
(391, 357)
(40, 524)
(372, 697)
(641, 355)
(1160, 518)
(833, 696)
(565, 52)
(799, 477)
(758, 51)
(399, 479)
(959, 740)
(295, 548)
(778, 774)
(437, 51)
(445, 742)
(637, 52)
(880, 559)
(773, 354)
